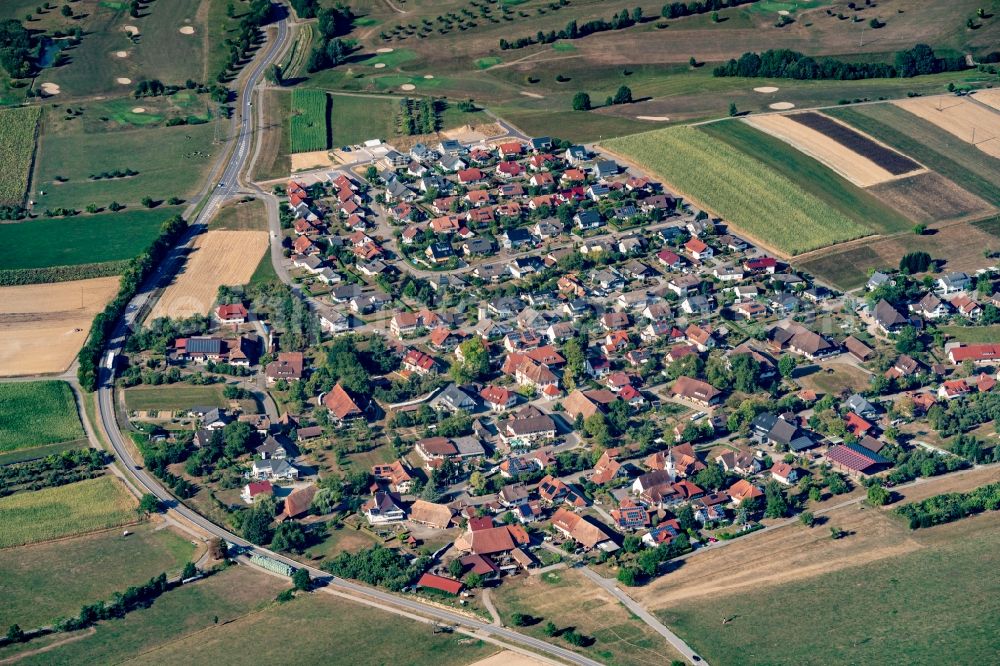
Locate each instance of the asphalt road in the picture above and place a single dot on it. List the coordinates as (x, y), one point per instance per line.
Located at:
(148, 483)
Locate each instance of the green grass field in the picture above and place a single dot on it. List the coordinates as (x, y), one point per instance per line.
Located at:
(82, 239)
(37, 413)
(972, 334)
(17, 143)
(743, 191)
(91, 567)
(61, 511)
(310, 120)
(933, 605)
(174, 397)
(810, 175)
(240, 216)
(972, 169)
(357, 119)
(182, 625)
(171, 161)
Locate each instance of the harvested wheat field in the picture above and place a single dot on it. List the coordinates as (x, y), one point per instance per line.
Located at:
(963, 118)
(311, 160)
(219, 257)
(989, 97)
(930, 197)
(855, 167)
(797, 552)
(45, 325)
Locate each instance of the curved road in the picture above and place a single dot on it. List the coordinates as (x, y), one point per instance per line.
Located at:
(148, 483)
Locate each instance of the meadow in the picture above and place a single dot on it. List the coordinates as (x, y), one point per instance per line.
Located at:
(912, 608)
(310, 120)
(173, 397)
(240, 216)
(741, 190)
(809, 174)
(82, 239)
(37, 413)
(17, 145)
(974, 170)
(91, 567)
(170, 161)
(60, 511)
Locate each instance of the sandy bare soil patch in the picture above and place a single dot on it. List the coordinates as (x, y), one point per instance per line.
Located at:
(384, 49)
(219, 257)
(766, 89)
(407, 86)
(428, 76)
(138, 109)
(469, 134)
(781, 106)
(532, 95)
(655, 118)
(509, 658)
(930, 197)
(379, 65)
(186, 30)
(989, 97)
(121, 54)
(797, 552)
(131, 30)
(858, 169)
(43, 326)
(123, 80)
(51, 88)
(311, 160)
(963, 118)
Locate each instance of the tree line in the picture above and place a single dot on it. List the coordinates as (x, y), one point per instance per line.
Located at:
(680, 9)
(949, 507)
(573, 30)
(788, 64)
(136, 271)
(56, 470)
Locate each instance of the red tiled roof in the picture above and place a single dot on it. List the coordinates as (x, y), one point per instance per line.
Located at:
(448, 585)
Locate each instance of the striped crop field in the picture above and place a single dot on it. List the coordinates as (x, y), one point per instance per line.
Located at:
(17, 144)
(77, 508)
(309, 124)
(743, 191)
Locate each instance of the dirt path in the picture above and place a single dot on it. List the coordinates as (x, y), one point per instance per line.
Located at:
(488, 602)
(52, 646)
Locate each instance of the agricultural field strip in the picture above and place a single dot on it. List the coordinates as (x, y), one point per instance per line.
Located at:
(856, 168)
(310, 120)
(970, 122)
(885, 157)
(17, 146)
(37, 413)
(755, 199)
(935, 147)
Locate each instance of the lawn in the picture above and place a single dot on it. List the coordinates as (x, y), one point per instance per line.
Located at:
(17, 144)
(567, 599)
(82, 239)
(832, 378)
(61, 511)
(354, 120)
(310, 120)
(174, 397)
(37, 413)
(972, 334)
(265, 271)
(171, 161)
(972, 169)
(809, 174)
(90, 567)
(754, 198)
(913, 608)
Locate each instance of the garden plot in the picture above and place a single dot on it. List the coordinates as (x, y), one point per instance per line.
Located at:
(971, 122)
(218, 258)
(856, 157)
(45, 325)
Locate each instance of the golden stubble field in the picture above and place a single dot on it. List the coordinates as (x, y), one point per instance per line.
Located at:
(219, 258)
(971, 122)
(45, 325)
(856, 168)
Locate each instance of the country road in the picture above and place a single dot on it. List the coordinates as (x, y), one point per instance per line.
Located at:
(229, 187)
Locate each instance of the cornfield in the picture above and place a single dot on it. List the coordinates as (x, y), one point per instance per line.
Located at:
(36, 413)
(77, 508)
(309, 124)
(738, 188)
(17, 143)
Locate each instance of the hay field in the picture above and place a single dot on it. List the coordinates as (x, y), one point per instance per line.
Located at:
(45, 325)
(989, 97)
(219, 257)
(856, 168)
(963, 118)
(77, 508)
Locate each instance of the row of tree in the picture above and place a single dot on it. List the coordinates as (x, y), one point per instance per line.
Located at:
(575, 31)
(951, 506)
(788, 64)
